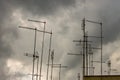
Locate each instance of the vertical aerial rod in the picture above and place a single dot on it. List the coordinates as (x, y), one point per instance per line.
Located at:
(34, 55)
(89, 64)
(42, 51)
(59, 71)
(92, 63)
(89, 58)
(101, 47)
(78, 76)
(52, 58)
(109, 67)
(49, 55)
(83, 25)
(37, 67)
(86, 40)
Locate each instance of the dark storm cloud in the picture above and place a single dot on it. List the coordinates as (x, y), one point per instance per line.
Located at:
(109, 14)
(111, 34)
(7, 34)
(42, 7)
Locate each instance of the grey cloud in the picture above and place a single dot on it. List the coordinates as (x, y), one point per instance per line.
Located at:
(3, 69)
(42, 7)
(109, 15)
(19, 74)
(7, 36)
(5, 50)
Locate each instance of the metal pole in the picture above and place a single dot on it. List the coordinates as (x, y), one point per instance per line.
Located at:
(52, 58)
(89, 58)
(86, 54)
(101, 47)
(34, 55)
(83, 47)
(59, 71)
(78, 76)
(92, 63)
(49, 56)
(37, 67)
(109, 67)
(42, 52)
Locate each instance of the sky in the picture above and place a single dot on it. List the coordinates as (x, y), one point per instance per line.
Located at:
(64, 18)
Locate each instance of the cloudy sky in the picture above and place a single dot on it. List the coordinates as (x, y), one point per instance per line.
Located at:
(63, 17)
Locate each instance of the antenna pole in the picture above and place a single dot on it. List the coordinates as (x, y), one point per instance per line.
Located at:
(83, 25)
(86, 54)
(109, 66)
(49, 56)
(37, 66)
(92, 63)
(101, 47)
(52, 58)
(34, 54)
(42, 51)
(78, 76)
